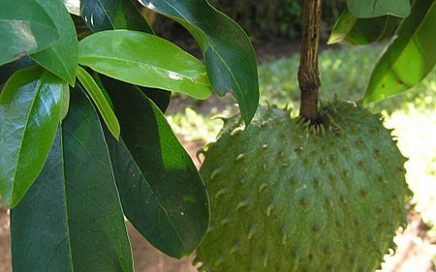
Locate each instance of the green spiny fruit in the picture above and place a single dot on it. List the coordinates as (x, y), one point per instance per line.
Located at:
(289, 196)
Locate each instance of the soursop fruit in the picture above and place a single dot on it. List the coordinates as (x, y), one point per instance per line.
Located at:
(286, 195)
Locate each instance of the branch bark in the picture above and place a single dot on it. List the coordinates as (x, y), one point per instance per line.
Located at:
(308, 74)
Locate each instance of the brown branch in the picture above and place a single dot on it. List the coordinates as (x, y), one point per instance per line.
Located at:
(308, 74)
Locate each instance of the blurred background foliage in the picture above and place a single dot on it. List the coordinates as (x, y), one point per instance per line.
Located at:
(263, 20)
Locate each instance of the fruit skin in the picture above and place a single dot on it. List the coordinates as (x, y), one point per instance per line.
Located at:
(289, 196)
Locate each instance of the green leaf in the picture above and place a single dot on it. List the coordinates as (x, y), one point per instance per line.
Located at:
(25, 28)
(94, 209)
(8, 69)
(29, 114)
(76, 186)
(102, 15)
(352, 30)
(375, 8)
(160, 97)
(100, 101)
(410, 56)
(115, 14)
(160, 189)
(39, 227)
(61, 57)
(145, 60)
(229, 55)
(65, 102)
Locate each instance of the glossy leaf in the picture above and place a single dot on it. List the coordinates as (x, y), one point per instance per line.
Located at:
(39, 227)
(146, 60)
(99, 240)
(352, 30)
(9, 69)
(102, 15)
(100, 101)
(115, 14)
(161, 191)
(160, 97)
(229, 55)
(24, 30)
(77, 187)
(65, 102)
(375, 8)
(410, 56)
(61, 57)
(29, 114)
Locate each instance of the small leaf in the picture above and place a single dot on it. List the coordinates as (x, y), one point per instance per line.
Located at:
(229, 55)
(7, 70)
(161, 191)
(145, 60)
(65, 102)
(375, 8)
(352, 30)
(100, 101)
(24, 30)
(72, 216)
(29, 114)
(410, 56)
(61, 57)
(102, 15)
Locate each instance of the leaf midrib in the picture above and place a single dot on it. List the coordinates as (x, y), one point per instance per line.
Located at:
(155, 195)
(39, 84)
(149, 66)
(242, 100)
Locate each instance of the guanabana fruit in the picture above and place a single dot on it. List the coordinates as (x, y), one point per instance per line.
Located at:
(286, 195)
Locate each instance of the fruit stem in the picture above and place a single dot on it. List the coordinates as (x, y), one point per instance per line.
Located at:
(308, 74)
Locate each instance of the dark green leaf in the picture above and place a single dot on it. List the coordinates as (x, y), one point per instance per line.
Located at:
(350, 29)
(100, 101)
(76, 186)
(99, 240)
(29, 114)
(229, 55)
(375, 8)
(8, 69)
(65, 102)
(115, 14)
(160, 97)
(25, 28)
(161, 191)
(39, 228)
(146, 60)
(410, 56)
(102, 15)
(61, 57)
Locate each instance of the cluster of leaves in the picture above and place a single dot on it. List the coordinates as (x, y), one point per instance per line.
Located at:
(410, 55)
(83, 138)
